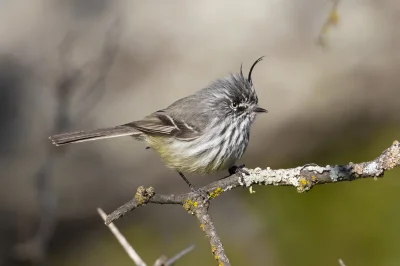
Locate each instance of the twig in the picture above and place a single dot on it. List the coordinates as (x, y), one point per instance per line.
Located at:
(178, 256)
(207, 226)
(162, 261)
(332, 20)
(122, 240)
(302, 177)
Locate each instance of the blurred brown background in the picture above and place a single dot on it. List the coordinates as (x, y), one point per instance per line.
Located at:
(81, 64)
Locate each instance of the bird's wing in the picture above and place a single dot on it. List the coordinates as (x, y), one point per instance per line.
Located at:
(162, 124)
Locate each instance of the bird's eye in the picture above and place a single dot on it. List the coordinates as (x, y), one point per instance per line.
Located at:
(235, 104)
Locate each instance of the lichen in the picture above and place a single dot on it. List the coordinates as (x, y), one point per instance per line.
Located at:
(213, 249)
(216, 257)
(228, 188)
(267, 177)
(372, 169)
(303, 185)
(190, 205)
(339, 173)
(357, 169)
(316, 168)
(144, 194)
(216, 193)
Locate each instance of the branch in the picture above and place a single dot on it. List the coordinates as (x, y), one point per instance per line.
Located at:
(122, 240)
(302, 177)
(162, 261)
(178, 256)
(332, 20)
(341, 263)
(206, 224)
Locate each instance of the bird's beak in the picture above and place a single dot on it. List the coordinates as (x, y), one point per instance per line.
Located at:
(260, 110)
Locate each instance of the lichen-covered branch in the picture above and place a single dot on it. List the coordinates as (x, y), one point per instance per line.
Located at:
(305, 177)
(207, 226)
(302, 177)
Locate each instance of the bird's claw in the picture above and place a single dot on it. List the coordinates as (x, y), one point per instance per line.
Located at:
(238, 170)
(233, 170)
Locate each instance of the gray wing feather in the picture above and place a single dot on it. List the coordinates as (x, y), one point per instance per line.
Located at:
(185, 119)
(161, 123)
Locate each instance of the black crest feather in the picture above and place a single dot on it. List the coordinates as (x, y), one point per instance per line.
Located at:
(252, 67)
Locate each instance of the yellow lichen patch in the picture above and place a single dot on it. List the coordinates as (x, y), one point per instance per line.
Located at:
(202, 226)
(144, 194)
(213, 249)
(304, 185)
(395, 142)
(216, 193)
(190, 205)
(216, 257)
(314, 178)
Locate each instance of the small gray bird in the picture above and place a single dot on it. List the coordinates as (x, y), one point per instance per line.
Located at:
(202, 133)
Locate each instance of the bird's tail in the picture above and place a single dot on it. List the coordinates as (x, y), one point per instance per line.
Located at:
(103, 133)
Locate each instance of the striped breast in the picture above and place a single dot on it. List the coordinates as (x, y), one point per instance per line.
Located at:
(217, 149)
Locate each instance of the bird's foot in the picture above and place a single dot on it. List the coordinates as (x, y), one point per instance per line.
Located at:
(238, 170)
(233, 170)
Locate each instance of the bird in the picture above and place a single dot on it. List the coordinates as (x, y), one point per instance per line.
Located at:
(205, 132)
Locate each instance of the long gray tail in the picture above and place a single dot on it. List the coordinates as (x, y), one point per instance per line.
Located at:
(103, 133)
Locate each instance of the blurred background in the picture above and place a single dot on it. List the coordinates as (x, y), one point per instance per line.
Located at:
(333, 97)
